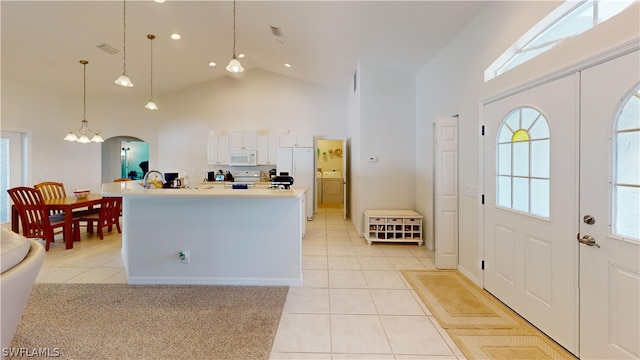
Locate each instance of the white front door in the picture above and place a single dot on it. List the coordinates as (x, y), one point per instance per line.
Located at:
(609, 210)
(530, 227)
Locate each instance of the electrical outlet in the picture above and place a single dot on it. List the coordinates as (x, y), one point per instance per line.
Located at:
(185, 257)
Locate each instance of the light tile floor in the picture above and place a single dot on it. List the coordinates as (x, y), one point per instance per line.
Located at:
(353, 304)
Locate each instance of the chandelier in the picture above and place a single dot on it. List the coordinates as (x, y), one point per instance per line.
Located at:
(84, 134)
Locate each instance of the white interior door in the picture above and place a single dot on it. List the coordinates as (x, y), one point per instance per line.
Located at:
(531, 206)
(446, 191)
(609, 270)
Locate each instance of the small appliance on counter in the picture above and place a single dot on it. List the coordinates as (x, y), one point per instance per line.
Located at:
(282, 181)
(219, 176)
(172, 180)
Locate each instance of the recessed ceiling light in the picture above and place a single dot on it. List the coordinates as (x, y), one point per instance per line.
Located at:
(159, 1)
(241, 56)
(212, 64)
(287, 65)
(176, 36)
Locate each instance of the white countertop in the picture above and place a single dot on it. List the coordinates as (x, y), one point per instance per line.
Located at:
(135, 189)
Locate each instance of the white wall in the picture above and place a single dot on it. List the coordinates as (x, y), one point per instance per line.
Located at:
(258, 101)
(452, 83)
(383, 125)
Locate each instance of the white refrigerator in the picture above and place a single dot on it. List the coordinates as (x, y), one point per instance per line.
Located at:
(300, 164)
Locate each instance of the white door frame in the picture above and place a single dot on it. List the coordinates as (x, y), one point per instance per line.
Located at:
(345, 173)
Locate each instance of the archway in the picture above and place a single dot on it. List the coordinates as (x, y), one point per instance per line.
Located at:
(124, 156)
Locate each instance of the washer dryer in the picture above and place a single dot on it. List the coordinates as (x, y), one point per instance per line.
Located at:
(332, 187)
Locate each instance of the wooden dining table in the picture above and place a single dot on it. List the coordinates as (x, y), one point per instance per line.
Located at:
(66, 205)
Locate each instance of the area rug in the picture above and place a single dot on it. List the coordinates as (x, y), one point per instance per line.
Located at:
(119, 321)
(480, 325)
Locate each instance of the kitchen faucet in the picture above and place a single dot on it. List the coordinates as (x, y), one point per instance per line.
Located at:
(146, 178)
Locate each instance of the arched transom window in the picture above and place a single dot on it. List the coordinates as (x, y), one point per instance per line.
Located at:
(626, 173)
(522, 162)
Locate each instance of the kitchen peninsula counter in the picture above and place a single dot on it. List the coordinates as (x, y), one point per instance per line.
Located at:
(226, 236)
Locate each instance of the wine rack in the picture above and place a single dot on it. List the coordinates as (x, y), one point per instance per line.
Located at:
(393, 226)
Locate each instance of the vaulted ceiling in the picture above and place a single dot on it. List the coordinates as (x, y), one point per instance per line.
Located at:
(43, 41)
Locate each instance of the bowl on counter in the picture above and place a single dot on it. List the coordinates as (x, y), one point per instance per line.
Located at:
(82, 193)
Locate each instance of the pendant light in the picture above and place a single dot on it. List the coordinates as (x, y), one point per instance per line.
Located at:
(151, 105)
(234, 65)
(84, 134)
(123, 80)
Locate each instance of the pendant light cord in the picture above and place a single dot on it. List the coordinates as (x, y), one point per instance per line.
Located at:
(151, 37)
(84, 92)
(234, 29)
(124, 37)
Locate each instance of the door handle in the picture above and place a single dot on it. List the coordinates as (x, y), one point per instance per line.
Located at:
(588, 240)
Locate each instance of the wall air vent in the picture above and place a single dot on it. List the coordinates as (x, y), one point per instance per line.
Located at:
(108, 48)
(276, 31)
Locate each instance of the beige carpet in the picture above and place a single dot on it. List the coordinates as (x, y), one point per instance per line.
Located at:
(481, 326)
(117, 321)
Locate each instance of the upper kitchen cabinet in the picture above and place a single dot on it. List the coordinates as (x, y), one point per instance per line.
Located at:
(243, 140)
(268, 149)
(296, 141)
(218, 150)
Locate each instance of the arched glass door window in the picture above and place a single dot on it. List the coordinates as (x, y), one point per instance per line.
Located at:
(626, 173)
(522, 162)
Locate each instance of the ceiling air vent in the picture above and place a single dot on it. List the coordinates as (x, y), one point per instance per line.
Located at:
(108, 49)
(276, 31)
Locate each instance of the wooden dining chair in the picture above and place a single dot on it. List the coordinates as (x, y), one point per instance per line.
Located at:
(36, 221)
(51, 190)
(108, 216)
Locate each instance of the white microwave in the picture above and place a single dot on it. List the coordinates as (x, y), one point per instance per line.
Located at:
(243, 158)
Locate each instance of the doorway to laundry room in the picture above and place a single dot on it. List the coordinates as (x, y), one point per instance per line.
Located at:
(331, 175)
